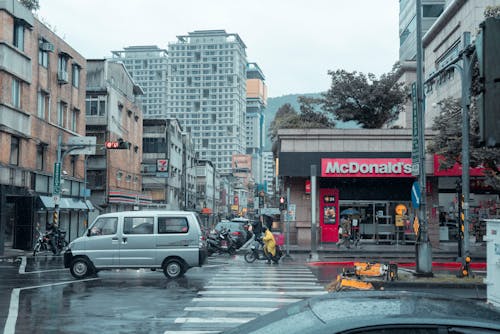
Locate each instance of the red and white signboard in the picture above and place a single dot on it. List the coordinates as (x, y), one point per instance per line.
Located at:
(366, 167)
(162, 165)
(308, 186)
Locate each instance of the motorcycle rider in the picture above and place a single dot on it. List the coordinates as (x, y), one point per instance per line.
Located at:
(269, 245)
(52, 233)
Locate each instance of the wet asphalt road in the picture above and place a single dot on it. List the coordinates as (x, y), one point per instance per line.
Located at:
(39, 296)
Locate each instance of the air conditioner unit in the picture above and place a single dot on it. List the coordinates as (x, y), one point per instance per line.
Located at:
(46, 46)
(62, 76)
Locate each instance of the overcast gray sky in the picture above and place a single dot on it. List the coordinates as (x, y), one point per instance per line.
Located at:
(295, 42)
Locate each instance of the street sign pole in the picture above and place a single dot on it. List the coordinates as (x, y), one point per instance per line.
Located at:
(423, 245)
(287, 226)
(314, 251)
(56, 188)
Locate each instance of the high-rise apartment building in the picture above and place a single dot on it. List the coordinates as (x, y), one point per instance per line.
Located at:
(206, 92)
(269, 171)
(148, 66)
(431, 10)
(256, 106)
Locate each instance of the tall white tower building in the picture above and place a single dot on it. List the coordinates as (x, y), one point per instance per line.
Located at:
(206, 92)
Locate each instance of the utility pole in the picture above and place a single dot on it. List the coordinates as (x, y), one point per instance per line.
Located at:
(423, 245)
(314, 251)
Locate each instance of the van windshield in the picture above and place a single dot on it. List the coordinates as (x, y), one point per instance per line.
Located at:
(104, 226)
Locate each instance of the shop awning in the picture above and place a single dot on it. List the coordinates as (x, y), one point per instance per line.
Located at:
(65, 203)
(206, 211)
(90, 205)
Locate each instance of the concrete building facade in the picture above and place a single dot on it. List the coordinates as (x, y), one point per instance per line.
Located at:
(431, 9)
(255, 119)
(269, 174)
(148, 66)
(206, 92)
(162, 163)
(42, 98)
(113, 114)
(442, 43)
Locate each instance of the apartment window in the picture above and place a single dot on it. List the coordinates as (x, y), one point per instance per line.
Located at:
(432, 10)
(62, 68)
(41, 156)
(62, 109)
(16, 93)
(14, 151)
(75, 75)
(43, 105)
(74, 118)
(95, 106)
(18, 39)
(43, 58)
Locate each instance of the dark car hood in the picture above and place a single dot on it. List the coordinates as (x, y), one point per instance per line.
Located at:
(335, 312)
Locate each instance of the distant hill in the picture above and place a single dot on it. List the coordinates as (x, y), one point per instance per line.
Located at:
(274, 103)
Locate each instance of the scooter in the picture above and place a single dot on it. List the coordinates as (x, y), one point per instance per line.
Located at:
(256, 252)
(222, 242)
(43, 242)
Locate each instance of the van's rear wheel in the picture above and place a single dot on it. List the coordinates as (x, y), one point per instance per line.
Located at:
(173, 268)
(80, 268)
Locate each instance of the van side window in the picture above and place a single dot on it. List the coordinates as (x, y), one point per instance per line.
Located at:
(138, 225)
(172, 225)
(104, 226)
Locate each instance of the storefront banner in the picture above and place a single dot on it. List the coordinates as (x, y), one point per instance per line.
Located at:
(357, 167)
(456, 170)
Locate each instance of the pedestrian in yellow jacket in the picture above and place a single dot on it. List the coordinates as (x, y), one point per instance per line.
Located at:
(269, 245)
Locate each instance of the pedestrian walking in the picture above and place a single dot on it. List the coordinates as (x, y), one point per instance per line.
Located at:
(345, 232)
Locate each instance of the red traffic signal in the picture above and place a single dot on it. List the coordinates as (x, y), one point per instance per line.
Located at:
(117, 145)
(283, 203)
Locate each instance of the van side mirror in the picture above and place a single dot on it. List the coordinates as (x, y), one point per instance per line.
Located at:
(88, 232)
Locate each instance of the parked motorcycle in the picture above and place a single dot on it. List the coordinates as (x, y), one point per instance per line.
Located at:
(256, 252)
(221, 242)
(43, 241)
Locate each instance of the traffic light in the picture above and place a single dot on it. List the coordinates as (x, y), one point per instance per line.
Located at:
(283, 205)
(55, 218)
(120, 144)
(488, 49)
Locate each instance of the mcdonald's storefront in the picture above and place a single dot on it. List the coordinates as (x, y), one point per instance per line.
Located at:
(364, 175)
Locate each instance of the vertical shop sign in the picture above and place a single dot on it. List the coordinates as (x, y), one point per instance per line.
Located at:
(415, 158)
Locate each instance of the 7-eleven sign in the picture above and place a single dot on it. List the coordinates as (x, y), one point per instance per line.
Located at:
(162, 165)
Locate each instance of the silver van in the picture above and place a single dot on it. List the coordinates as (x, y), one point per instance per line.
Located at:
(170, 240)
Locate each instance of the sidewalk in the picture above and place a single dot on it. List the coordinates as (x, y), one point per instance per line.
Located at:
(447, 251)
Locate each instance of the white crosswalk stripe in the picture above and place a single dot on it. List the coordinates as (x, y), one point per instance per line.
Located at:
(238, 293)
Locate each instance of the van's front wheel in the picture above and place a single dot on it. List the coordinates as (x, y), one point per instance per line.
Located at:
(80, 268)
(173, 268)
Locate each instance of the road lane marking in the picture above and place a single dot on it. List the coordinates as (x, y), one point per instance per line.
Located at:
(213, 320)
(22, 268)
(246, 299)
(267, 293)
(310, 286)
(191, 332)
(257, 309)
(10, 324)
(257, 280)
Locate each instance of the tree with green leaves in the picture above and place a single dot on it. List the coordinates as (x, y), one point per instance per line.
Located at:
(308, 118)
(448, 142)
(31, 4)
(369, 101)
